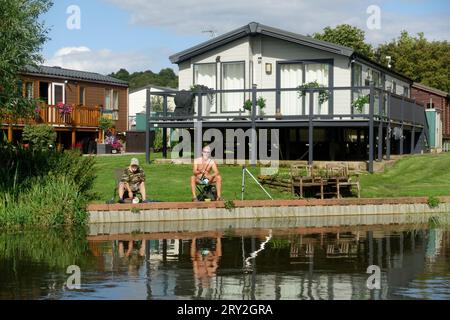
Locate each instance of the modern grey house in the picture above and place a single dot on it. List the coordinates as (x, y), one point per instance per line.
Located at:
(347, 107)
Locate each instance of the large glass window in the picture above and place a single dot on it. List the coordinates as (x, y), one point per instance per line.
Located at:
(205, 74)
(293, 75)
(317, 72)
(233, 74)
(112, 103)
(29, 90)
(82, 96)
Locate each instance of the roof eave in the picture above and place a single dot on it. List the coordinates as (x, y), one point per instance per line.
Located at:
(37, 74)
(254, 28)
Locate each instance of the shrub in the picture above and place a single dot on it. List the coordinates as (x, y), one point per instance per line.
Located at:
(49, 201)
(35, 181)
(158, 141)
(105, 123)
(40, 136)
(433, 202)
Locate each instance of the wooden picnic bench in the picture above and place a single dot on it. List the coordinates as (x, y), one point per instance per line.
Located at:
(336, 179)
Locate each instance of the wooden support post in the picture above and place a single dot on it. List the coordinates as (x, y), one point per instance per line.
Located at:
(10, 133)
(74, 138)
(100, 136)
(413, 139)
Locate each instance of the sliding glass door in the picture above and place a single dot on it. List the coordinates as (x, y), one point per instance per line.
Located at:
(291, 76)
(205, 74)
(317, 72)
(233, 77)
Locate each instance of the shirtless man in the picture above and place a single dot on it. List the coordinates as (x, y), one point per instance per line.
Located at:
(206, 168)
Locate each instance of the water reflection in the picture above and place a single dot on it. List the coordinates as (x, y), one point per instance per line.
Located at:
(279, 263)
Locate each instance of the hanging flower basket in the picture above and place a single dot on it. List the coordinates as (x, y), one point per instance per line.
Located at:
(64, 109)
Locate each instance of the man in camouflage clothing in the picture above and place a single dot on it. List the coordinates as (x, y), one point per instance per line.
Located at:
(133, 180)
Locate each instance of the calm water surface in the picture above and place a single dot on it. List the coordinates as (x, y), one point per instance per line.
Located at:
(325, 262)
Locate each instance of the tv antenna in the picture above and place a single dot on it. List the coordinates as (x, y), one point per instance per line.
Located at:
(212, 33)
(389, 60)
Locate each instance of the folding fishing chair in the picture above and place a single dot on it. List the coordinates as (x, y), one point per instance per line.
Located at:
(206, 191)
(118, 176)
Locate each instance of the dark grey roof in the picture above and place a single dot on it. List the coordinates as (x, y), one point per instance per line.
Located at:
(58, 72)
(254, 28)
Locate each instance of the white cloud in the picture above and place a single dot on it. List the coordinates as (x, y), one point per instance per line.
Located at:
(105, 61)
(305, 17)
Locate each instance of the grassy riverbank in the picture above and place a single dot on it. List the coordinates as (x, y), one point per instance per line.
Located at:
(420, 175)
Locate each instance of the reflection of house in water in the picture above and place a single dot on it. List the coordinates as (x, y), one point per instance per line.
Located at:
(297, 264)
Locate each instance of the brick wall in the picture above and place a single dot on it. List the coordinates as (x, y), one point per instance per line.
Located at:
(440, 103)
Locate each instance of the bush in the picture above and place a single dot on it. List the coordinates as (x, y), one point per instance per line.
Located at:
(39, 136)
(158, 141)
(49, 201)
(433, 202)
(105, 123)
(44, 187)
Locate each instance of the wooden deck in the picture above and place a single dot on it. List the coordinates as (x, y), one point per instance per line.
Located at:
(80, 117)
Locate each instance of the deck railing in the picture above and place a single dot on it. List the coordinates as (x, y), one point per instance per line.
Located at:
(383, 105)
(80, 116)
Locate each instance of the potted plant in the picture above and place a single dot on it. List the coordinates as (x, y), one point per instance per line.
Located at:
(323, 94)
(260, 103)
(359, 103)
(207, 104)
(105, 124)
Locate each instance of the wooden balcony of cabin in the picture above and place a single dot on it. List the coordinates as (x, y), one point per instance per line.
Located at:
(79, 117)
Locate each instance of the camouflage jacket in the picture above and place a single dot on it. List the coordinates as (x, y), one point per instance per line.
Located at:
(133, 179)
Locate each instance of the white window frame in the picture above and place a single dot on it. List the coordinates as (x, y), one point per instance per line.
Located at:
(51, 95)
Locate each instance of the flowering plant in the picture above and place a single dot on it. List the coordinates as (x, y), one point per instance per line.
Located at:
(64, 108)
(114, 142)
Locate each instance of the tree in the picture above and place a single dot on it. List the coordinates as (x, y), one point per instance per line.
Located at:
(21, 38)
(419, 59)
(349, 36)
(165, 78)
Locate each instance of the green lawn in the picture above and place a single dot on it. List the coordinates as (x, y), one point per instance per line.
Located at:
(420, 175)
(170, 182)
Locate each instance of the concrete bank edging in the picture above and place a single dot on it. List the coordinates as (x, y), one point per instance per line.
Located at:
(251, 209)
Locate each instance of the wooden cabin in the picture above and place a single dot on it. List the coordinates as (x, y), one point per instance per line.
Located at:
(90, 96)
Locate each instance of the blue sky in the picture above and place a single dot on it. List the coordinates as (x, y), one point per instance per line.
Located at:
(141, 34)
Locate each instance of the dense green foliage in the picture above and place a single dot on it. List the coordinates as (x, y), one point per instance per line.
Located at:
(40, 137)
(105, 123)
(423, 61)
(44, 187)
(165, 78)
(347, 35)
(21, 38)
